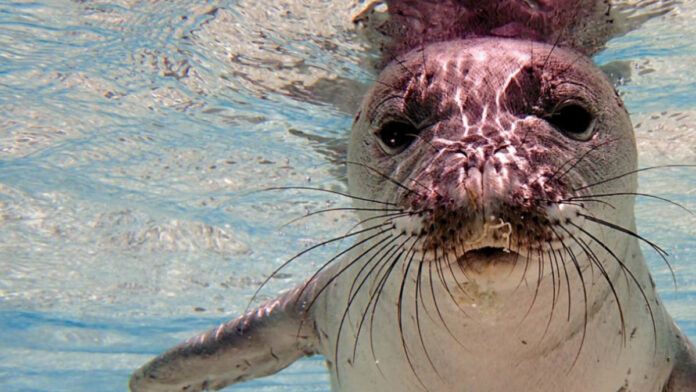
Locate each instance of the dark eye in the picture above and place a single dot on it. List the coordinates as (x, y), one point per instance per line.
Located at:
(396, 136)
(573, 120)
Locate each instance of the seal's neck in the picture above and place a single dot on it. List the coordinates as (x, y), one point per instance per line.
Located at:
(545, 331)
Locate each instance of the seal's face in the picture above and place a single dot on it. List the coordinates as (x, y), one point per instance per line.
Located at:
(492, 148)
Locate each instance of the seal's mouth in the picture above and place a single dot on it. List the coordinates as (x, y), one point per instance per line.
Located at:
(488, 255)
(487, 251)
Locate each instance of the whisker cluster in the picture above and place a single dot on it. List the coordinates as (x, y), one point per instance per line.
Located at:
(381, 251)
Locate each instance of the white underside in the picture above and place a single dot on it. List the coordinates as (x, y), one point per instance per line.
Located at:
(498, 341)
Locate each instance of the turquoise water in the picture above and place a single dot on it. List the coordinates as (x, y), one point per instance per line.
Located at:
(134, 137)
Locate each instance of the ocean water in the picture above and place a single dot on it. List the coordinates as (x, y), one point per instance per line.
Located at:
(136, 138)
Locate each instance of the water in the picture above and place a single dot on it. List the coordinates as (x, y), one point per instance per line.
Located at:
(134, 134)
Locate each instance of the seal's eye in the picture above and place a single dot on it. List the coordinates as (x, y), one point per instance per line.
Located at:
(573, 120)
(396, 136)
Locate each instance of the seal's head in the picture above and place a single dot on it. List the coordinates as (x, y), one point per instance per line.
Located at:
(492, 149)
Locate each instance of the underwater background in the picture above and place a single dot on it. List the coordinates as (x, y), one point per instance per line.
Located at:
(136, 138)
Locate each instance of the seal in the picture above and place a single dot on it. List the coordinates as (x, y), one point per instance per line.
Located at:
(495, 180)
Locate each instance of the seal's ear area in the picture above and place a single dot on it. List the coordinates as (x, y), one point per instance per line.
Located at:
(683, 377)
(262, 342)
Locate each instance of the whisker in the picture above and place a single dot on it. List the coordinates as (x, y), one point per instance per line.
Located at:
(595, 260)
(581, 205)
(517, 255)
(540, 274)
(309, 188)
(391, 217)
(463, 257)
(632, 172)
(633, 278)
(317, 294)
(418, 325)
(562, 201)
(523, 279)
(377, 297)
(343, 269)
(580, 159)
(663, 254)
(390, 253)
(578, 270)
(584, 198)
(419, 286)
(422, 139)
(285, 264)
(323, 211)
(454, 278)
(432, 294)
(352, 293)
(556, 255)
(378, 292)
(387, 85)
(350, 301)
(404, 67)
(386, 177)
(374, 298)
(554, 295)
(578, 55)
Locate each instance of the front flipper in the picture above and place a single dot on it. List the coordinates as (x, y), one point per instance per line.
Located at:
(259, 343)
(683, 377)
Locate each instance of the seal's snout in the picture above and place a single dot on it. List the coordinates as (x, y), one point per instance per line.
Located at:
(484, 199)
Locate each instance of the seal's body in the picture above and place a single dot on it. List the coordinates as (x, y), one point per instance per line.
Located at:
(498, 248)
